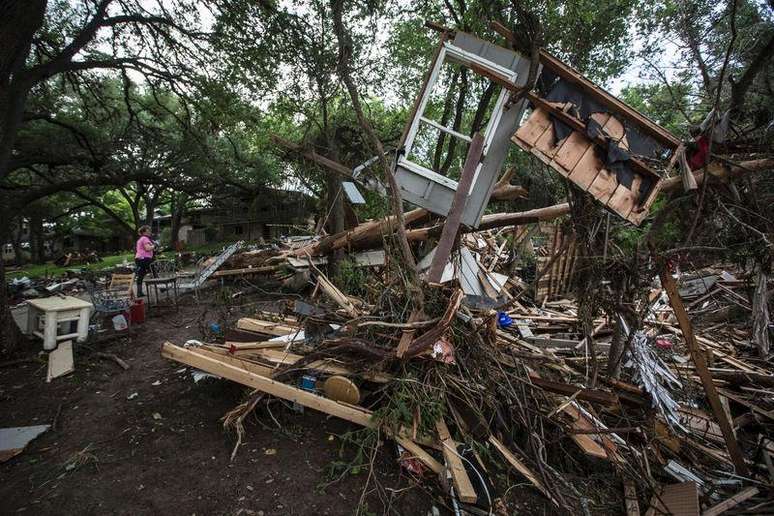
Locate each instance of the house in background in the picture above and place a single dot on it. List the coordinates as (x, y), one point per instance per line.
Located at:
(266, 216)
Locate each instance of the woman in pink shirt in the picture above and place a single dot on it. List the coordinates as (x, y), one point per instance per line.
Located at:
(143, 257)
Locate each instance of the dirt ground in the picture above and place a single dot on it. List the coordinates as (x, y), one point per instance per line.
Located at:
(149, 440)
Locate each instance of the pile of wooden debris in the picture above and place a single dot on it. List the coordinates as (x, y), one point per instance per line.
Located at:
(517, 347)
(489, 379)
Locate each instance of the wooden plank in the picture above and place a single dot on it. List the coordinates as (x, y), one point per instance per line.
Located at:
(604, 449)
(520, 466)
(630, 499)
(573, 149)
(731, 502)
(462, 485)
(235, 361)
(699, 359)
(622, 201)
(350, 413)
(336, 295)
(603, 186)
(452, 225)
(586, 170)
(537, 123)
(275, 329)
(60, 361)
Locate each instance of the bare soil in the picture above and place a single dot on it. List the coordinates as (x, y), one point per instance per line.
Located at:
(164, 450)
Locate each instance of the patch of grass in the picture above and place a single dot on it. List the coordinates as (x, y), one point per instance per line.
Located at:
(33, 271)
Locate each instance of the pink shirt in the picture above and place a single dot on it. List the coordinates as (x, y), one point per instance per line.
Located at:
(140, 248)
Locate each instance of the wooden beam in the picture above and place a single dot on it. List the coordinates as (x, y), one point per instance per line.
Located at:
(452, 226)
(520, 466)
(699, 359)
(231, 372)
(592, 395)
(462, 485)
(729, 503)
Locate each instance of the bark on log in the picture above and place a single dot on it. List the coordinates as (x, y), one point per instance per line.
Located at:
(721, 171)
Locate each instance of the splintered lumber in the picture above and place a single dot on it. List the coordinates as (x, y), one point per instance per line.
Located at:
(731, 502)
(336, 295)
(427, 339)
(243, 347)
(462, 485)
(362, 235)
(602, 447)
(60, 361)
(721, 171)
(351, 413)
(275, 329)
(323, 365)
(699, 360)
(452, 225)
(235, 361)
(520, 466)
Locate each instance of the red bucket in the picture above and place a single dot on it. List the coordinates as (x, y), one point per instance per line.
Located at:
(137, 311)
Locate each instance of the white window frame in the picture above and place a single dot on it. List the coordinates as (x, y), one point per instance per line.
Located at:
(454, 54)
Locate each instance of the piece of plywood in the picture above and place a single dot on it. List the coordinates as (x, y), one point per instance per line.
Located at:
(676, 499)
(586, 169)
(14, 440)
(60, 361)
(603, 186)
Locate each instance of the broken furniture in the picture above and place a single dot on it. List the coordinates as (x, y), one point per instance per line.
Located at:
(46, 314)
(122, 283)
(60, 361)
(116, 299)
(163, 275)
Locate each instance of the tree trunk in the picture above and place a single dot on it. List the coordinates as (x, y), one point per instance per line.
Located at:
(178, 210)
(18, 23)
(16, 238)
(36, 237)
(10, 335)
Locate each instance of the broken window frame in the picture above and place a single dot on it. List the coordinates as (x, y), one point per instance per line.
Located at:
(451, 53)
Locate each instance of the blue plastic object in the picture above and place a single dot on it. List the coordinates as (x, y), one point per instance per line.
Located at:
(215, 328)
(308, 383)
(504, 320)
